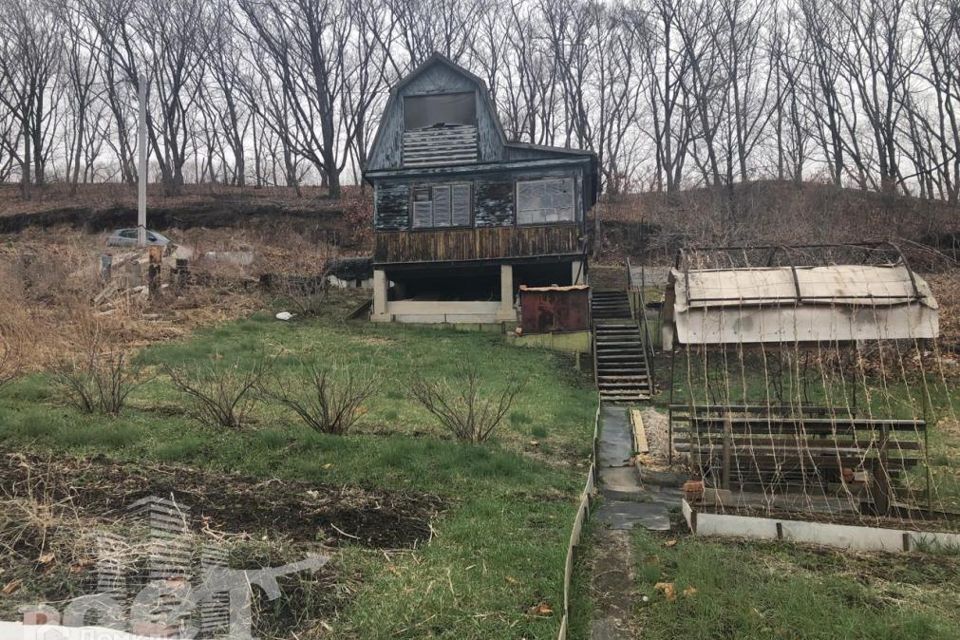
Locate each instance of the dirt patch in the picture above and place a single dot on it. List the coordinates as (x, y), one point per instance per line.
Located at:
(297, 511)
(657, 429)
(612, 586)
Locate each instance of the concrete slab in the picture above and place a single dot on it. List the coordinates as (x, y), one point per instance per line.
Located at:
(616, 437)
(624, 515)
(619, 479)
(667, 496)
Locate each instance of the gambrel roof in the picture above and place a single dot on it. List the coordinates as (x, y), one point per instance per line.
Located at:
(438, 75)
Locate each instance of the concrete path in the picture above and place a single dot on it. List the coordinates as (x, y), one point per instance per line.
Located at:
(626, 503)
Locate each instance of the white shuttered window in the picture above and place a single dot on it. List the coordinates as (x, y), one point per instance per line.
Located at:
(545, 201)
(441, 205)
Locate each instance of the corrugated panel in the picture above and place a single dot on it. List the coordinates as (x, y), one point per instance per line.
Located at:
(440, 146)
(848, 285)
(461, 205)
(544, 310)
(441, 206)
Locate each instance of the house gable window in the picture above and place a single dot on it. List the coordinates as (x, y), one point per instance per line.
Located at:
(442, 205)
(545, 201)
(421, 112)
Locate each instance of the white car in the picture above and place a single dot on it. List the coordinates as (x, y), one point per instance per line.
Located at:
(128, 238)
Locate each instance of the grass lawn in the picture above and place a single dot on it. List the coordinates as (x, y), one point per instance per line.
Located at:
(498, 548)
(752, 590)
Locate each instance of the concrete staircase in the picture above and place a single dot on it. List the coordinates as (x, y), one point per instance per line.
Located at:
(622, 371)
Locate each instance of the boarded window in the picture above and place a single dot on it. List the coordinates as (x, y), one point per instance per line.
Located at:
(460, 205)
(420, 112)
(441, 205)
(545, 201)
(422, 207)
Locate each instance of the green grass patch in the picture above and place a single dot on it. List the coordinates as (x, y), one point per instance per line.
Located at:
(778, 591)
(499, 548)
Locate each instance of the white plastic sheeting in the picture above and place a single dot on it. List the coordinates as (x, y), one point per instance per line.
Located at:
(545, 201)
(798, 304)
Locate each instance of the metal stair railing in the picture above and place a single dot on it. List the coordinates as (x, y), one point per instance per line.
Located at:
(640, 317)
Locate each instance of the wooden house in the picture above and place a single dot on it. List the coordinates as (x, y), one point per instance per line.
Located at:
(462, 216)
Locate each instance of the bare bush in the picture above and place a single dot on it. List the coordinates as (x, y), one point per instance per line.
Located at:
(462, 406)
(99, 382)
(324, 402)
(307, 296)
(220, 396)
(10, 362)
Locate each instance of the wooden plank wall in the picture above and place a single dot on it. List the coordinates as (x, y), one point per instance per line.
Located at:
(476, 244)
(440, 146)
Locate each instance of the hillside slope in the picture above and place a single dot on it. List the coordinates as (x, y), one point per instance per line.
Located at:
(651, 226)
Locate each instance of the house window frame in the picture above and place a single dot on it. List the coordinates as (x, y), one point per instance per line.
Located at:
(573, 201)
(476, 109)
(432, 185)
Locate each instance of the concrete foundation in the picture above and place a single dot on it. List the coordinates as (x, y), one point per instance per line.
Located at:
(380, 287)
(444, 311)
(577, 275)
(441, 312)
(506, 312)
(858, 538)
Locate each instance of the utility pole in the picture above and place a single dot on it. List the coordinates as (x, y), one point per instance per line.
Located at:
(142, 187)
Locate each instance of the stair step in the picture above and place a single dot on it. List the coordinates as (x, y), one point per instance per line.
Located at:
(631, 389)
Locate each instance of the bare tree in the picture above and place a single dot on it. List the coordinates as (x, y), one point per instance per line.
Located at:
(30, 40)
(678, 93)
(82, 67)
(306, 40)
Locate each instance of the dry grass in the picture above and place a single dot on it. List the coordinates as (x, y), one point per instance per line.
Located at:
(53, 305)
(98, 196)
(764, 213)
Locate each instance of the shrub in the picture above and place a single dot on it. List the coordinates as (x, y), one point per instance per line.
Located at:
(99, 382)
(219, 396)
(462, 407)
(324, 403)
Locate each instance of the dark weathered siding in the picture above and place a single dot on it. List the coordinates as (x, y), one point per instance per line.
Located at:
(448, 245)
(438, 78)
(392, 206)
(493, 205)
